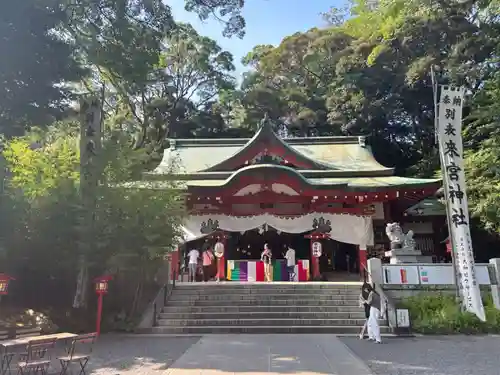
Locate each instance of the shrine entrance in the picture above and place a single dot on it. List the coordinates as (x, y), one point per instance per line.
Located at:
(339, 261)
(242, 253)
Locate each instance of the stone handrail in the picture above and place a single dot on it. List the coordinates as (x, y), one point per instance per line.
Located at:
(150, 315)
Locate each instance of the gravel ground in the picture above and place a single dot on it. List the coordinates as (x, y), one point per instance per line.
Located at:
(443, 355)
(123, 355)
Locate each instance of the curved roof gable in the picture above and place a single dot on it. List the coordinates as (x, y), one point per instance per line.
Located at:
(266, 140)
(333, 154)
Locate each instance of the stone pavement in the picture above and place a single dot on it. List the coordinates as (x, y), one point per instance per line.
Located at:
(136, 355)
(431, 355)
(293, 354)
(269, 354)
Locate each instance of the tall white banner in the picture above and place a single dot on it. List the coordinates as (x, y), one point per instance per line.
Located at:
(451, 149)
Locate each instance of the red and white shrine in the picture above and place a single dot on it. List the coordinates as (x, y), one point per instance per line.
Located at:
(326, 190)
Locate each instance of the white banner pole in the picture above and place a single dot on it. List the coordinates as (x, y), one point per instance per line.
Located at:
(451, 149)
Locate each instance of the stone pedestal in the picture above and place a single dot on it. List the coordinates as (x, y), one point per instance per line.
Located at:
(404, 255)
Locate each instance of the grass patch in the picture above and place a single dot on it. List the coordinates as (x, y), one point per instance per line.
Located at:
(441, 314)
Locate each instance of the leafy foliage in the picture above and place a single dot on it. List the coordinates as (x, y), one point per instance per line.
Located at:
(440, 314)
(134, 227)
(33, 60)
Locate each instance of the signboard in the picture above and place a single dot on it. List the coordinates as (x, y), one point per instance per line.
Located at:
(436, 275)
(451, 151)
(402, 318)
(317, 249)
(400, 275)
(429, 274)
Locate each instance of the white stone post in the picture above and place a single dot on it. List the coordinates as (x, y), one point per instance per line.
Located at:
(495, 287)
(375, 271)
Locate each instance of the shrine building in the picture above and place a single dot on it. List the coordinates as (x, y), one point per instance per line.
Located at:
(294, 192)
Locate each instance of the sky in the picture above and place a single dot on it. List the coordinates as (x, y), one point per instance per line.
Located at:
(267, 22)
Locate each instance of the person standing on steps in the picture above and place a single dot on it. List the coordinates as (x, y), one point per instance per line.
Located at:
(193, 256)
(266, 257)
(290, 262)
(208, 257)
(375, 305)
(363, 297)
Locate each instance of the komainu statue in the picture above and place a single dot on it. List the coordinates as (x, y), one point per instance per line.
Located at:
(398, 239)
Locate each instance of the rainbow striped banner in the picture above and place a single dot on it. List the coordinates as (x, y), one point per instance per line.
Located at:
(252, 270)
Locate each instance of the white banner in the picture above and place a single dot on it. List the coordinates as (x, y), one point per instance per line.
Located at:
(451, 149)
(344, 228)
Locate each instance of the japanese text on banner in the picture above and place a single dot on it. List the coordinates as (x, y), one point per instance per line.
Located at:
(451, 148)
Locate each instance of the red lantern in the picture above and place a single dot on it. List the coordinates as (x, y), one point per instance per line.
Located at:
(101, 288)
(4, 283)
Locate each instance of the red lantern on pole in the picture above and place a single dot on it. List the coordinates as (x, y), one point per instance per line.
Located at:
(101, 288)
(316, 250)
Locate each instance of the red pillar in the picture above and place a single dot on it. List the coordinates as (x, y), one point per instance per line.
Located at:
(363, 260)
(221, 262)
(99, 314)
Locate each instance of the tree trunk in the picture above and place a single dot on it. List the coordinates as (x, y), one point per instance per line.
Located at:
(137, 294)
(80, 299)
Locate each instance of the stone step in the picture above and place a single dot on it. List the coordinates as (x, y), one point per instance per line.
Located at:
(269, 302)
(259, 321)
(201, 330)
(263, 315)
(263, 297)
(267, 286)
(260, 309)
(219, 291)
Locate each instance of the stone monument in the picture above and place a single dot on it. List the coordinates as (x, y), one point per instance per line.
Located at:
(403, 246)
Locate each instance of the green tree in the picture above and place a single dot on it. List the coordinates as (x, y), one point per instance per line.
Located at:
(134, 225)
(483, 158)
(188, 74)
(34, 61)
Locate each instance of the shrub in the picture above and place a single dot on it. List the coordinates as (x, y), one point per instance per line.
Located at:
(441, 314)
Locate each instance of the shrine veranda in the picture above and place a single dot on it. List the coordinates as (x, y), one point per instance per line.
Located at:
(296, 192)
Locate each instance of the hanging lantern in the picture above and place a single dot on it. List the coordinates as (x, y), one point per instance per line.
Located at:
(219, 249)
(317, 249)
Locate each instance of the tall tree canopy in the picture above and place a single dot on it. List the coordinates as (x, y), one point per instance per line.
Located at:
(33, 62)
(47, 43)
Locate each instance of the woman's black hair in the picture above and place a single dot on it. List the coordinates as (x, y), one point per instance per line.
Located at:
(366, 288)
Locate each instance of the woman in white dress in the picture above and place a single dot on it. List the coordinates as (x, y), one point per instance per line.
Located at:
(375, 306)
(365, 292)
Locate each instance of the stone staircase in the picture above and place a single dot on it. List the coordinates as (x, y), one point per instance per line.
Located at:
(231, 307)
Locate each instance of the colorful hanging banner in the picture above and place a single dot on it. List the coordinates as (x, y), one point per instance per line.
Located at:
(252, 270)
(451, 149)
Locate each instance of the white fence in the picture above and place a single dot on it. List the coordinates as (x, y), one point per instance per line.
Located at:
(428, 274)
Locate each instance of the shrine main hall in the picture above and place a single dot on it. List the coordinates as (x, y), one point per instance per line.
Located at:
(291, 192)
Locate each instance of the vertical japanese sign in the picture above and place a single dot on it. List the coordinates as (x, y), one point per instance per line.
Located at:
(451, 149)
(90, 145)
(90, 139)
